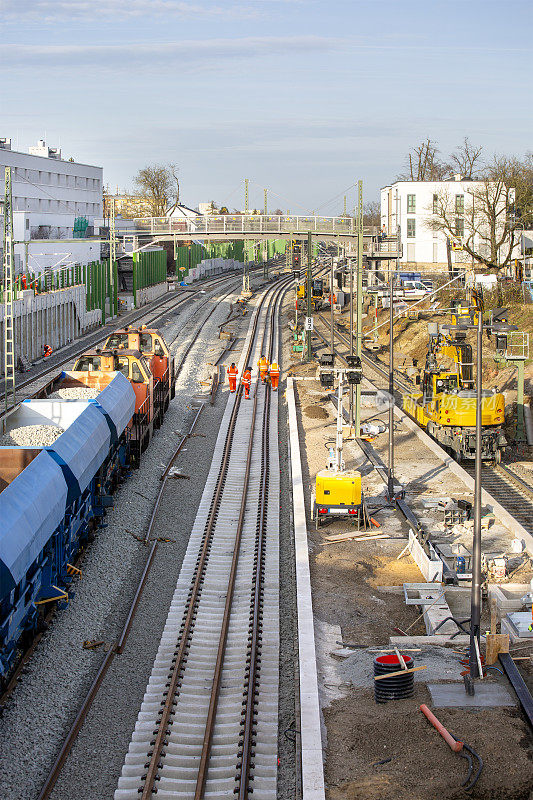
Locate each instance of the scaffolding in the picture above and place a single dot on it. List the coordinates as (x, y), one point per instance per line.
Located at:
(9, 339)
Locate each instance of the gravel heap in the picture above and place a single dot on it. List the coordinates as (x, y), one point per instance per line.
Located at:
(75, 393)
(31, 436)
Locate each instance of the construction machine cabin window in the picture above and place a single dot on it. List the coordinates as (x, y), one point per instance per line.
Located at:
(146, 343)
(85, 364)
(411, 203)
(118, 340)
(123, 365)
(136, 374)
(411, 228)
(446, 384)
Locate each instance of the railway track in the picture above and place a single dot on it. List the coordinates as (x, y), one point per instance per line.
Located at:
(148, 315)
(507, 483)
(208, 723)
(514, 493)
(119, 645)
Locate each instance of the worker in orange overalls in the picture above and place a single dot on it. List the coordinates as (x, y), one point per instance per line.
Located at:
(274, 375)
(232, 377)
(246, 380)
(47, 351)
(24, 282)
(263, 368)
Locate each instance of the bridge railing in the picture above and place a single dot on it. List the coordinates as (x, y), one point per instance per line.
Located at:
(244, 224)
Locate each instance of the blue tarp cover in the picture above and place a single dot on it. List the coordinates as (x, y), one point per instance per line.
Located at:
(31, 508)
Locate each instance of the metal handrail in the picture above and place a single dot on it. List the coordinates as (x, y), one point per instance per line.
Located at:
(246, 223)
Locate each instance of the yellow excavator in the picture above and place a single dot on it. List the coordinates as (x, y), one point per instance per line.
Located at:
(446, 404)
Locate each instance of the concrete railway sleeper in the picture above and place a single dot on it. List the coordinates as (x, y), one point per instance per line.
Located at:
(118, 648)
(206, 720)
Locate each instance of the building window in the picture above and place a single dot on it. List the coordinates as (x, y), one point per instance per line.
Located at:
(411, 203)
(435, 204)
(411, 228)
(459, 227)
(459, 204)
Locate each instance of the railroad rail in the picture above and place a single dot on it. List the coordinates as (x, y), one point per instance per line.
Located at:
(208, 722)
(509, 489)
(120, 644)
(145, 313)
(503, 482)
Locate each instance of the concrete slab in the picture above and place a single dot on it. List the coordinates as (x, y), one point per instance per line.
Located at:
(310, 716)
(488, 695)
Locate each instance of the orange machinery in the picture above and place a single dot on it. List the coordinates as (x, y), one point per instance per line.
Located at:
(92, 369)
(153, 347)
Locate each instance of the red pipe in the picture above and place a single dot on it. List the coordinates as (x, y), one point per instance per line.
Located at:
(446, 735)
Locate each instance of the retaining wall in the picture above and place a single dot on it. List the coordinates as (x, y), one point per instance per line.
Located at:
(150, 293)
(211, 266)
(55, 318)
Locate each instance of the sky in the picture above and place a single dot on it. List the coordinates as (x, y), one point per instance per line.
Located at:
(303, 97)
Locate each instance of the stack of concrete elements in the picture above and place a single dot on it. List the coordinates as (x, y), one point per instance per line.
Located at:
(212, 266)
(55, 318)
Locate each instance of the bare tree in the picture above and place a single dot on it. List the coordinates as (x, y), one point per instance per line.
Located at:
(158, 186)
(372, 213)
(465, 159)
(478, 215)
(423, 163)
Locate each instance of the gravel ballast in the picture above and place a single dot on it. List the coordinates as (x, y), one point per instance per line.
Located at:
(75, 393)
(31, 436)
(45, 702)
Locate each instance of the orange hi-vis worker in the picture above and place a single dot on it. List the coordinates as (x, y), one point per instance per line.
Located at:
(232, 377)
(47, 351)
(246, 380)
(274, 375)
(263, 368)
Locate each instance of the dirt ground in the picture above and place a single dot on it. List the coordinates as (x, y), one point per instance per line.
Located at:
(357, 603)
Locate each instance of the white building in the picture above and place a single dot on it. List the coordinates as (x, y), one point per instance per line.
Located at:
(412, 204)
(48, 195)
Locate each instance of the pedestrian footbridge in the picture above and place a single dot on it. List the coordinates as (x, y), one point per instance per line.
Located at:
(246, 226)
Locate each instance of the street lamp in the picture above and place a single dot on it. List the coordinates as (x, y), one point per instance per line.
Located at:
(474, 659)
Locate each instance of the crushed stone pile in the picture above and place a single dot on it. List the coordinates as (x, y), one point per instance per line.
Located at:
(31, 436)
(75, 393)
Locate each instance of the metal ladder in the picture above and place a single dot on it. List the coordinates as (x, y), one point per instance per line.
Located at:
(9, 337)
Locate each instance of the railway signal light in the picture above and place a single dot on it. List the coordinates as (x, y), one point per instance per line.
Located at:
(354, 373)
(327, 372)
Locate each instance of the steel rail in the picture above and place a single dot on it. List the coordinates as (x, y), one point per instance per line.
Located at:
(120, 644)
(79, 346)
(164, 722)
(258, 585)
(498, 479)
(255, 599)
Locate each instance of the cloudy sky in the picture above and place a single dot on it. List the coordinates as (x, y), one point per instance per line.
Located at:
(303, 97)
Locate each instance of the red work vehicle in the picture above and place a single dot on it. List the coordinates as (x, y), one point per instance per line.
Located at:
(153, 347)
(94, 368)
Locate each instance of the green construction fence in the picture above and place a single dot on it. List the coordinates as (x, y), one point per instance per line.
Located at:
(149, 268)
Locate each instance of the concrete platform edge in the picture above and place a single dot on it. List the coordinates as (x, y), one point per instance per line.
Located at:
(311, 740)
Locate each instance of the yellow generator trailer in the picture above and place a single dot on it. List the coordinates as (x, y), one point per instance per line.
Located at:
(338, 495)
